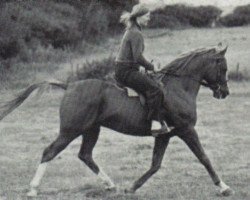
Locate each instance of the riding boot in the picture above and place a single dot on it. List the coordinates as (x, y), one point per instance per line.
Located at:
(158, 128)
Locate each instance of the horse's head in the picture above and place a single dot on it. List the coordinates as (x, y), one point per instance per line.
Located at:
(216, 74)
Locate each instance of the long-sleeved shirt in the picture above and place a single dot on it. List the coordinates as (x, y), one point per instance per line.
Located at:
(131, 49)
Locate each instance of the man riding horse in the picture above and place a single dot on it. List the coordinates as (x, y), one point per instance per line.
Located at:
(130, 58)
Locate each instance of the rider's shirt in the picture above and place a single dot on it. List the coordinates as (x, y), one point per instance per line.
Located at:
(131, 49)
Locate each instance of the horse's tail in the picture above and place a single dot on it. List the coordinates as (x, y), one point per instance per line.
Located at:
(11, 105)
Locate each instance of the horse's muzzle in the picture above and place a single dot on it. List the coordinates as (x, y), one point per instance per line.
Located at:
(221, 92)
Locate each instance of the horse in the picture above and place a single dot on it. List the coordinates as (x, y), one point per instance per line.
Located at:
(89, 104)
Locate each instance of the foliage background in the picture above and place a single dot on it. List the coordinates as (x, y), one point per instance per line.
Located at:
(36, 36)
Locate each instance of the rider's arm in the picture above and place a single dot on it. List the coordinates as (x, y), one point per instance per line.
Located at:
(137, 46)
(143, 62)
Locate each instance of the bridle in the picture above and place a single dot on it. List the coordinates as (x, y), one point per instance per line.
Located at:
(215, 86)
(218, 81)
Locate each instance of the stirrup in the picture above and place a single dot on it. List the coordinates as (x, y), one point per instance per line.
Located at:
(162, 130)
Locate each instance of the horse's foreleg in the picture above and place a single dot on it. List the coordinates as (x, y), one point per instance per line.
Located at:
(160, 146)
(190, 137)
(49, 153)
(89, 140)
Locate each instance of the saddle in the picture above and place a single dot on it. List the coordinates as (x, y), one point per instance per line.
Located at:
(132, 93)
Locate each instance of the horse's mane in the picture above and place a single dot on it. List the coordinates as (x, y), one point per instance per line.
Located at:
(181, 62)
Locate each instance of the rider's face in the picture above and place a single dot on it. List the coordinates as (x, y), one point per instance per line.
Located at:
(143, 20)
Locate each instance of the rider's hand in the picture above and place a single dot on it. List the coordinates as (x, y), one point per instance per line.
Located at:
(157, 66)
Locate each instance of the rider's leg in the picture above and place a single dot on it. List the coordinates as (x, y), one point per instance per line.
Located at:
(155, 105)
(143, 84)
(154, 95)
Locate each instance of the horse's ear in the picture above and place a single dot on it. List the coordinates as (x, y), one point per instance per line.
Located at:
(223, 51)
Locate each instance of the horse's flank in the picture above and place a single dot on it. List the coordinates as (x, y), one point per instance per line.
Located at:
(106, 106)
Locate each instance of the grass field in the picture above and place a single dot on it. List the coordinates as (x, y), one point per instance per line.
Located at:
(223, 127)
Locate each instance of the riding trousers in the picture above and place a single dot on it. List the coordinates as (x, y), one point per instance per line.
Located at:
(130, 76)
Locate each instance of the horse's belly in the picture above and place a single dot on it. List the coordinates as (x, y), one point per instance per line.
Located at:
(129, 129)
(125, 122)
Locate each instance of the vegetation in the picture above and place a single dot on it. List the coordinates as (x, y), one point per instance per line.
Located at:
(239, 17)
(176, 16)
(24, 24)
(38, 35)
(50, 31)
(100, 69)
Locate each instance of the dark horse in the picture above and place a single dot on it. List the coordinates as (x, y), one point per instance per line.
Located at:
(87, 105)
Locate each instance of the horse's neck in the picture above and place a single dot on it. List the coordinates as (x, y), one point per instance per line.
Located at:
(191, 85)
(188, 82)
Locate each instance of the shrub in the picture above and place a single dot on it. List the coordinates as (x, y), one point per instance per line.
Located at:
(160, 20)
(23, 22)
(98, 69)
(12, 32)
(172, 16)
(100, 18)
(59, 23)
(51, 23)
(239, 17)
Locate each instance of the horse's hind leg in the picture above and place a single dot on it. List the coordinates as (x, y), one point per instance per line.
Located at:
(85, 154)
(49, 153)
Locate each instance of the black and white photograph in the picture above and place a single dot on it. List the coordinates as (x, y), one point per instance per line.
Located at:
(124, 99)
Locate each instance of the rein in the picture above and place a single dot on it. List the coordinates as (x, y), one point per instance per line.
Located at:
(202, 82)
(213, 86)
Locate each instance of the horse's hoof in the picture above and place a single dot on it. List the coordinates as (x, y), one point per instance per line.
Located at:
(32, 193)
(227, 192)
(129, 191)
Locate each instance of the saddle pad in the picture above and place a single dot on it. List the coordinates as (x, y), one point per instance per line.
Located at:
(131, 92)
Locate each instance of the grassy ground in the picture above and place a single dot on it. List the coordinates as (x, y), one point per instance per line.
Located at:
(223, 127)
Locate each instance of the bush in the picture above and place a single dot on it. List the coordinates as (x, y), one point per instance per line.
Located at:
(98, 69)
(51, 23)
(174, 16)
(160, 20)
(239, 17)
(22, 23)
(100, 18)
(12, 32)
(59, 23)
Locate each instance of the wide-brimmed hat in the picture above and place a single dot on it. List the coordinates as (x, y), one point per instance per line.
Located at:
(138, 11)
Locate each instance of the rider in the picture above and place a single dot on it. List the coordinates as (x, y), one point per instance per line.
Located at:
(130, 58)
